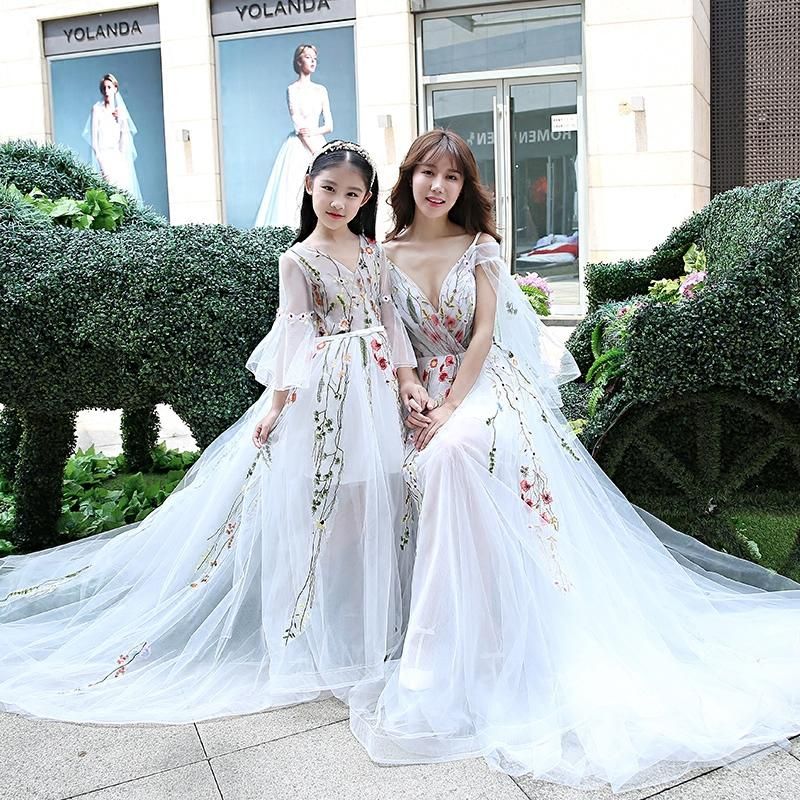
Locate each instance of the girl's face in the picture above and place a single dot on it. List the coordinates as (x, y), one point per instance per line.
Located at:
(337, 194)
(109, 90)
(307, 61)
(436, 186)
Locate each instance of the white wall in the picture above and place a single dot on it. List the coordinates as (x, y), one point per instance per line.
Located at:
(647, 170)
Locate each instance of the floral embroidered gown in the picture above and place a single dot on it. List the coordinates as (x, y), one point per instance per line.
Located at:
(269, 575)
(550, 630)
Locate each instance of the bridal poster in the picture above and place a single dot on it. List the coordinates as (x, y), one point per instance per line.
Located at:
(109, 109)
(281, 97)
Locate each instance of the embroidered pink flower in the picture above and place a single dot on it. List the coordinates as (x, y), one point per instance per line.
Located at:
(425, 376)
(524, 485)
(450, 322)
(547, 498)
(449, 361)
(529, 502)
(382, 362)
(434, 362)
(443, 376)
(434, 320)
(376, 345)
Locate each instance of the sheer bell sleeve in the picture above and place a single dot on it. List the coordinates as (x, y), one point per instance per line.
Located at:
(402, 352)
(518, 329)
(282, 358)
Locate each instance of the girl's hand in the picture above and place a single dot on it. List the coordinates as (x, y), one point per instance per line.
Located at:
(438, 417)
(262, 431)
(414, 396)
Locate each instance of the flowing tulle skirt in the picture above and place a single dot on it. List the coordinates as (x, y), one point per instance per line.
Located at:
(552, 633)
(280, 204)
(268, 577)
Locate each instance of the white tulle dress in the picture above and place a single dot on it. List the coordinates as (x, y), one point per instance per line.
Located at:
(550, 630)
(267, 577)
(280, 203)
(111, 139)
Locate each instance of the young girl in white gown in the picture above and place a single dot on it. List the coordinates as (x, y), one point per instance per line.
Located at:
(272, 573)
(307, 102)
(550, 630)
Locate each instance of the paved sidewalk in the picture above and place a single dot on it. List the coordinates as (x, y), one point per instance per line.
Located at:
(305, 753)
(100, 428)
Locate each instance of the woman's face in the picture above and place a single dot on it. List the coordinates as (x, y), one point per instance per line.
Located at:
(436, 186)
(337, 194)
(109, 90)
(307, 61)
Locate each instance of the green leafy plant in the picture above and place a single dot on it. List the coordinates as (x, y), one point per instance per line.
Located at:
(97, 211)
(98, 494)
(537, 290)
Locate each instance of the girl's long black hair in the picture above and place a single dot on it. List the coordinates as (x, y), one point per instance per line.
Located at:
(364, 222)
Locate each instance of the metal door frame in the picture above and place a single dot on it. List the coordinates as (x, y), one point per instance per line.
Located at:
(503, 82)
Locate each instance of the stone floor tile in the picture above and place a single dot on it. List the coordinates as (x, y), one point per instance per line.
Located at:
(226, 735)
(329, 763)
(544, 790)
(195, 781)
(774, 775)
(43, 760)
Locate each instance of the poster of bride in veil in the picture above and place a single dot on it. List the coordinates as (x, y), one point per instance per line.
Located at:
(281, 97)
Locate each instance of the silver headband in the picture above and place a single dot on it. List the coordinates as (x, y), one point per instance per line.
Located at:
(339, 144)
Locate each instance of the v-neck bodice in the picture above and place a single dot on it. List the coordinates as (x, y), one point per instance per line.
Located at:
(342, 299)
(446, 328)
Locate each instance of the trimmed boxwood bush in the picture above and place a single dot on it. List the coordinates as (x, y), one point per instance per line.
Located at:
(147, 314)
(707, 409)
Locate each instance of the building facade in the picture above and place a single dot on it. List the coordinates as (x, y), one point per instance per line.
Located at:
(590, 120)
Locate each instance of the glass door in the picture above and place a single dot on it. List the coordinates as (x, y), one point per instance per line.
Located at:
(543, 141)
(524, 134)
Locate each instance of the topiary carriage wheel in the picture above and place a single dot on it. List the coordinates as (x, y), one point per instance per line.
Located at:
(710, 449)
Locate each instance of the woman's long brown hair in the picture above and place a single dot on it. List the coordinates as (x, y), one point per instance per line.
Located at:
(472, 211)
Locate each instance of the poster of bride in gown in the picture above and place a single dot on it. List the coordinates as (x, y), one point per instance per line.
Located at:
(110, 132)
(282, 96)
(109, 109)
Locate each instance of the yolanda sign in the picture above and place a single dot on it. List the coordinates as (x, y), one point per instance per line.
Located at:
(230, 16)
(128, 28)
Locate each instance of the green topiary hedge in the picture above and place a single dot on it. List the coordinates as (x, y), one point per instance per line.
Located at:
(706, 409)
(149, 313)
(58, 172)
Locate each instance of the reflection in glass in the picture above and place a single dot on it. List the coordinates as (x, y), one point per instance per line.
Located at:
(545, 185)
(501, 40)
(470, 113)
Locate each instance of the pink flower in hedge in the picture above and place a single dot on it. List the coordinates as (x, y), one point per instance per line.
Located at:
(690, 283)
(534, 279)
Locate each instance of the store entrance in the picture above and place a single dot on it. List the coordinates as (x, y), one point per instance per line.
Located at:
(524, 133)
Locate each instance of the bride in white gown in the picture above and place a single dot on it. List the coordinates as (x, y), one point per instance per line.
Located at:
(109, 130)
(271, 574)
(307, 102)
(550, 630)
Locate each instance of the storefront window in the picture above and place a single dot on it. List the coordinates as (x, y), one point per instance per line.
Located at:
(107, 105)
(475, 42)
